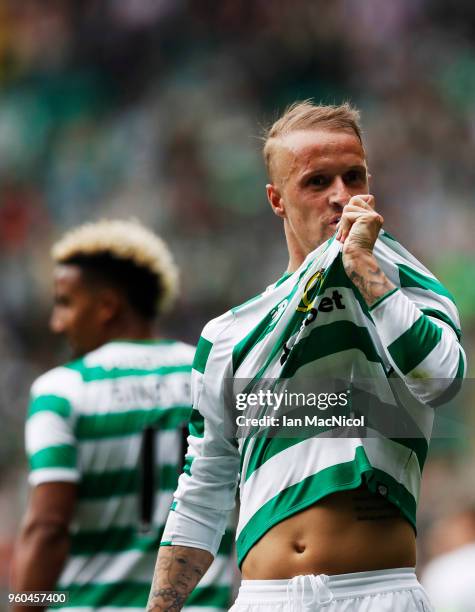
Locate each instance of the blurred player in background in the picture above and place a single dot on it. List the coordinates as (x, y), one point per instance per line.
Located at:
(449, 577)
(104, 432)
(325, 522)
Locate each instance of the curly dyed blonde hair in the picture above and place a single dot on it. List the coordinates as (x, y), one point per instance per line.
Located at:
(124, 251)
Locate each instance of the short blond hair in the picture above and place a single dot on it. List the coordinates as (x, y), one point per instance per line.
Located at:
(306, 115)
(125, 243)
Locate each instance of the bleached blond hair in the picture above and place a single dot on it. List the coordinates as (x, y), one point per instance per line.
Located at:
(307, 115)
(127, 241)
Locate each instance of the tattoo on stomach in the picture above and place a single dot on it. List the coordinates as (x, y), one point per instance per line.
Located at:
(371, 507)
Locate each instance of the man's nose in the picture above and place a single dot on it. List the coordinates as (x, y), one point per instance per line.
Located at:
(339, 194)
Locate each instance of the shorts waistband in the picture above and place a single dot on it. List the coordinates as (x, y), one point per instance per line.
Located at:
(347, 585)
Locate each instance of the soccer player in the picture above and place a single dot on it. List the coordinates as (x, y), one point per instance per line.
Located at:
(104, 432)
(449, 577)
(325, 522)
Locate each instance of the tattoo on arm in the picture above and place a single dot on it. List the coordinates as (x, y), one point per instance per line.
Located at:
(174, 600)
(177, 572)
(369, 279)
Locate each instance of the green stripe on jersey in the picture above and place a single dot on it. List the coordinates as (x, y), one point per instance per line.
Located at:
(212, 596)
(409, 277)
(243, 348)
(386, 234)
(266, 325)
(293, 499)
(461, 367)
(135, 594)
(97, 595)
(90, 374)
(61, 456)
(113, 540)
(299, 496)
(455, 385)
(124, 482)
(283, 278)
(51, 403)
(328, 340)
(266, 448)
(415, 344)
(383, 298)
(437, 314)
(419, 447)
(336, 277)
(202, 353)
(187, 466)
(196, 426)
(227, 542)
(111, 425)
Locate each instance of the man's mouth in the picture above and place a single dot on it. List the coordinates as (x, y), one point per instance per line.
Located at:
(335, 220)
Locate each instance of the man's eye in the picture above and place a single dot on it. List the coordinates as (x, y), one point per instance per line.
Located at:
(318, 180)
(354, 176)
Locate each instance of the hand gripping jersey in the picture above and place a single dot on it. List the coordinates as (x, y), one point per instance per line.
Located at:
(112, 422)
(315, 323)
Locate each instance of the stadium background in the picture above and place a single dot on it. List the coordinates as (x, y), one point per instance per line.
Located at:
(154, 108)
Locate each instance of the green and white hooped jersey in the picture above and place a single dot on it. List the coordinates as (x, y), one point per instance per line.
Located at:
(86, 424)
(314, 322)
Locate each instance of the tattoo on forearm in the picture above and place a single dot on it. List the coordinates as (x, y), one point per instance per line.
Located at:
(178, 571)
(173, 601)
(372, 283)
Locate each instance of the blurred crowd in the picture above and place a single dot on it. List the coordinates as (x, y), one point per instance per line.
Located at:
(155, 109)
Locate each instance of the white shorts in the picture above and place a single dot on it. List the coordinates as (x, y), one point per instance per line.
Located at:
(393, 590)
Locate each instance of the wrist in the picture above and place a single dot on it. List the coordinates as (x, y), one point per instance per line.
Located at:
(358, 258)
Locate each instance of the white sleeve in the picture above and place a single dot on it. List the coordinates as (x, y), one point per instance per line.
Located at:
(49, 432)
(419, 327)
(207, 488)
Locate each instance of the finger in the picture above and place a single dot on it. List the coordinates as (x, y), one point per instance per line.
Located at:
(346, 221)
(357, 208)
(365, 200)
(349, 217)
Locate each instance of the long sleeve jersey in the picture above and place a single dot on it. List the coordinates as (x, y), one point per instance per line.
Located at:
(314, 322)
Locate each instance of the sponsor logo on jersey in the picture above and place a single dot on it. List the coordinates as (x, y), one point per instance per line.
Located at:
(326, 304)
(311, 290)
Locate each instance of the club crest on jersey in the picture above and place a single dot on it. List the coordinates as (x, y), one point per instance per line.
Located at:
(311, 290)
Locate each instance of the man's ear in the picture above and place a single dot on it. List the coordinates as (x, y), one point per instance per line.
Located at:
(275, 200)
(110, 303)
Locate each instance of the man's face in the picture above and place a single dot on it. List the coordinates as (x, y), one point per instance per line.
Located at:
(315, 173)
(76, 311)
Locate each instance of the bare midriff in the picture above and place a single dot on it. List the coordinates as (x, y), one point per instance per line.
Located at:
(349, 531)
